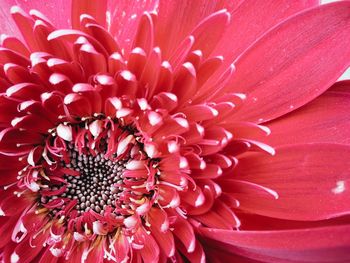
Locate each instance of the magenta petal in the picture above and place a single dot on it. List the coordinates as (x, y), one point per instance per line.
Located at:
(323, 244)
(129, 146)
(187, 15)
(7, 25)
(218, 256)
(48, 8)
(96, 8)
(125, 16)
(326, 119)
(311, 181)
(243, 32)
(341, 86)
(283, 71)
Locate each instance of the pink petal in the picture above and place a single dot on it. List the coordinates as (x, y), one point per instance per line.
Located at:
(197, 256)
(258, 222)
(187, 14)
(15, 44)
(73, 101)
(26, 252)
(150, 251)
(326, 119)
(184, 232)
(65, 132)
(216, 254)
(78, 254)
(185, 83)
(206, 193)
(165, 241)
(17, 74)
(121, 246)
(209, 32)
(49, 8)
(7, 224)
(199, 113)
(25, 25)
(193, 197)
(95, 8)
(145, 33)
(8, 110)
(8, 56)
(103, 36)
(7, 24)
(292, 174)
(211, 171)
(341, 86)
(25, 90)
(92, 61)
(137, 61)
(151, 71)
(8, 176)
(92, 255)
(14, 141)
(124, 19)
(181, 52)
(282, 71)
(26, 123)
(79, 38)
(48, 257)
(242, 32)
(323, 244)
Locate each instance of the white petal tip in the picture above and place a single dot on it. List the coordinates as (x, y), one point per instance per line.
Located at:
(65, 132)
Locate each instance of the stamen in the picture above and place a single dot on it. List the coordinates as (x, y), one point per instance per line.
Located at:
(98, 184)
(96, 173)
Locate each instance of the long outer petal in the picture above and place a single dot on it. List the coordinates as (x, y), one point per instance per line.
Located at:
(216, 254)
(188, 14)
(48, 8)
(242, 32)
(311, 181)
(124, 19)
(326, 119)
(7, 25)
(95, 8)
(323, 244)
(283, 70)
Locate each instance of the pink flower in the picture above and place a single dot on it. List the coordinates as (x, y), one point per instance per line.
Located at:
(178, 131)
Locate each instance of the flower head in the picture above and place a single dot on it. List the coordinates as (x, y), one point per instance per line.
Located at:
(170, 131)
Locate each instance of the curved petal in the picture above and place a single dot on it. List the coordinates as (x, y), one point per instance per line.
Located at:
(326, 119)
(25, 252)
(341, 86)
(48, 8)
(96, 8)
(7, 25)
(217, 255)
(123, 17)
(323, 244)
(242, 32)
(253, 222)
(283, 71)
(188, 14)
(311, 181)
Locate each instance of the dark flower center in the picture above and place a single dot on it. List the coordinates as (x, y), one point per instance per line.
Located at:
(99, 183)
(97, 167)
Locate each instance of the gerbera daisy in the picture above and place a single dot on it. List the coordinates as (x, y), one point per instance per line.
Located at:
(174, 131)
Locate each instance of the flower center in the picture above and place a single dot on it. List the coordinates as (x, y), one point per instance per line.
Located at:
(99, 183)
(96, 168)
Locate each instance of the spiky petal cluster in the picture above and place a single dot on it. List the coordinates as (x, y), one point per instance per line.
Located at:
(132, 145)
(90, 101)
